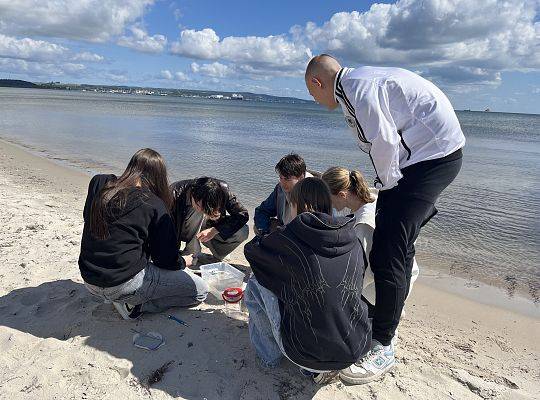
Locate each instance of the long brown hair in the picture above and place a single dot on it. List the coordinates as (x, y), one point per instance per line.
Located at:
(340, 179)
(145, 169)
(311, 194)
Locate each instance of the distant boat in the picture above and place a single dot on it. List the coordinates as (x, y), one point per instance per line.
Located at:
(487, 110)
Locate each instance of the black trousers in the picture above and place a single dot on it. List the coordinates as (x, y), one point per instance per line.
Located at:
(401, 212)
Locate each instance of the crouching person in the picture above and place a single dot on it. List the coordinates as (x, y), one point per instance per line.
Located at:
(206, 211)
(276, 209)
(304, 299)
(129, 254)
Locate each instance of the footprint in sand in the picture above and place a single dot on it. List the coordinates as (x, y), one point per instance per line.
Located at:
(105, 312)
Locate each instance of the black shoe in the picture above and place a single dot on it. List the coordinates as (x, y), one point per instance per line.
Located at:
(127, 311)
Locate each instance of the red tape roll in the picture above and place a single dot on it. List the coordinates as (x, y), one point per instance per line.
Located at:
(232, 295)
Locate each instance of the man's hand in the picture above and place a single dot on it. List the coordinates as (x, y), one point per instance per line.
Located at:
(188, 260)
(207, 235)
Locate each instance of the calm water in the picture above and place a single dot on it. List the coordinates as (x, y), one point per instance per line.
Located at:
(488, 226)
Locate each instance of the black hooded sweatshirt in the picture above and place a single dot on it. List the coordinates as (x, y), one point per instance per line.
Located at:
(140, 231)
(315, 266)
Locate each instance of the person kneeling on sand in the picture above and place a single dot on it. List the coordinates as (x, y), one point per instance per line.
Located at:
(276, 209)
(206, 211)
(129, 253)
(304, 300)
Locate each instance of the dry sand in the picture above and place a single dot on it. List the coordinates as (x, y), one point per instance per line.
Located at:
(56, 342)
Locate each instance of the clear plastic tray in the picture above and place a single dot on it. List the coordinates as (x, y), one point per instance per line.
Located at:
(220, 276)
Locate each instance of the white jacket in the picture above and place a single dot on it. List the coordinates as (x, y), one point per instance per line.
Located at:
(398, 117)
(364, 227)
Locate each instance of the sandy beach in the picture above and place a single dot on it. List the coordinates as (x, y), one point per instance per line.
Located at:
(56, 342)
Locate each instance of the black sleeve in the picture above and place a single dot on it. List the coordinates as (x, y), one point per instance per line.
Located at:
(179, 192)
(162, 237)
(95, 185)
(238, 216)
(265, 256)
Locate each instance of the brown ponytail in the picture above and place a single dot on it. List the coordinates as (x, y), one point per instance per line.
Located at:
(340, 179)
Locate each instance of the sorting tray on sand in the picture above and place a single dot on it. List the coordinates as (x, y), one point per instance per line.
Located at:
(220, 276)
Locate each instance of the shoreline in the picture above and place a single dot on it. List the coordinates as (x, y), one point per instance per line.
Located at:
(57, 342)
(493, 292)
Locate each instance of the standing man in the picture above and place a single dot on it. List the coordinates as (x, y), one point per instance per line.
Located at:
(412, 135)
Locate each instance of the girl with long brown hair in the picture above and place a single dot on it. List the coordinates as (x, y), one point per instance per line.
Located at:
(129, 254)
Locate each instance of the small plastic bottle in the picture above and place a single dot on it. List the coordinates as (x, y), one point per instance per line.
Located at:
(232, 298)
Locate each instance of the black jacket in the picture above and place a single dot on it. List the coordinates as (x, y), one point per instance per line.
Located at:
(315, 266)
(227, 225)
(143, 229)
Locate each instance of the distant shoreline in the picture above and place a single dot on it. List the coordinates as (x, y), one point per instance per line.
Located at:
(185, 93)
(155, 91)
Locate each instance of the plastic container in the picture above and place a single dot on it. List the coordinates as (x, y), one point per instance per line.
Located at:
(220, 276)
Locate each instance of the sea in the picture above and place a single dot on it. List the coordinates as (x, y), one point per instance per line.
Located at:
(488, 226)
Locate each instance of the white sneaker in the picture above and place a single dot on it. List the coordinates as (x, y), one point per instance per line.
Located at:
(379, 360)
(127, 311)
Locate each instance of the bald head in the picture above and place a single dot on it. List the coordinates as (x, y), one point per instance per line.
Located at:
(320, 74)
(323, 66)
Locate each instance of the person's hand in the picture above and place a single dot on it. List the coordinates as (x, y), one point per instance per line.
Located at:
(207, 235)
(188, 260)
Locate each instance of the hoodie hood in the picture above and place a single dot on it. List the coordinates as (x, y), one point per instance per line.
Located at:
(325, 234)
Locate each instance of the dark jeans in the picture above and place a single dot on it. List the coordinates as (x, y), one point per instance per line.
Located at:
(401, 212)
(220, 247)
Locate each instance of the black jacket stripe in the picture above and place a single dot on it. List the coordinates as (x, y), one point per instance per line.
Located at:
(340, 92)
(361, 134)
(407, 149)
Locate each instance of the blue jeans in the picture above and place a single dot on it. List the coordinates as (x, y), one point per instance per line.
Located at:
(156, 289)
(265, 324)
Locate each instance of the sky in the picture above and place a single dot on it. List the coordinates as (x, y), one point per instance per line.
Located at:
(482, 54)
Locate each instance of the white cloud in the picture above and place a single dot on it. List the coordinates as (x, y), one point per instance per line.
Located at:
(168, 75)
(215, 70)
(41, 70)
(92, 20)
(180, 76)
(140, 40)
(41, 59)
(459, 39)
(88, 57)
(30, 49)
(271, 53)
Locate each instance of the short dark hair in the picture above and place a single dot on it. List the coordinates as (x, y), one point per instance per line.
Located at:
(210, 193)
(311, 194)
(291, 165)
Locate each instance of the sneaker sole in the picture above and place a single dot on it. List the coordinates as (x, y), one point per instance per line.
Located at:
(329, 378)
(122, 313)
(361, 381)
